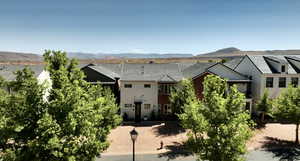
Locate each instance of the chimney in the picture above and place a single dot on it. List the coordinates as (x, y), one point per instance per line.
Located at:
(142, 72)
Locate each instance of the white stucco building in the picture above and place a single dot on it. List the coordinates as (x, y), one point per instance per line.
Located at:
(139, 93)
(269, 72)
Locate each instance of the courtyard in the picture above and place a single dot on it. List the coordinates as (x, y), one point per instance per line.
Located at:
(273, 141)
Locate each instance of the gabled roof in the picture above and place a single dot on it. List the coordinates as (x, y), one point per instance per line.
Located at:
(171, 72)
(262, 63)
(227, 72)
(166, 78)
(150, 72)
(293, 57)
(233, 63)
(276, 59)
(292, 60)
(199, 69)
(105, 72)
(196, 69)
(7, 71)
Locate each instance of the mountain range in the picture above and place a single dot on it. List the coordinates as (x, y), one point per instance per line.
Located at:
(19, 57)
(80, 55)
(226, 52)
(235, 52)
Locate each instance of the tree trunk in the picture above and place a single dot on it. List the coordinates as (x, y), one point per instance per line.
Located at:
(297, 133)
(262, 117)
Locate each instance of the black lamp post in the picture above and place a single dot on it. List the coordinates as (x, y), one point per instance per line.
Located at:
(134, 135)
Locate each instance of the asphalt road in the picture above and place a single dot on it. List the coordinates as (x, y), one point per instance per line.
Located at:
(258, 155)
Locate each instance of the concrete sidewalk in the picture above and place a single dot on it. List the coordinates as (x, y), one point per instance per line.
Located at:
(149, 138)
(152, 133)
(257, 155)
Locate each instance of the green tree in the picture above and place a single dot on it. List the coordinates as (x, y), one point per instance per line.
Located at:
(2, 82)
(181, 94)
(224, 60)
(287, 109)
(219, 126)
(264, 105)
(72, 123)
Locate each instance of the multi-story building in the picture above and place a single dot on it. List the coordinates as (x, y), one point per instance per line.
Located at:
(145, 88)
(269, 72)
(141, 89)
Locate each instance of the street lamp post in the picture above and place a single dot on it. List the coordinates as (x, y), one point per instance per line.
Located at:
(134, 135)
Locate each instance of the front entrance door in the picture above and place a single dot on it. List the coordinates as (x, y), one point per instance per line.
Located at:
(138, 106)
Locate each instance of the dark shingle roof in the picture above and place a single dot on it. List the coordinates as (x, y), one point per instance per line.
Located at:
(196, 69)
(172, 72)
(233, 63)
(261, 62)
(277, 59)
(7, 71)
(105, 71)
(151, 72)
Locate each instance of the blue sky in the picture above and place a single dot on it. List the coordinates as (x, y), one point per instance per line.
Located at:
(160, 26)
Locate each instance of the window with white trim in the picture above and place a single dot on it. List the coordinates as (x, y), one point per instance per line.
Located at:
(282, 82)
(165, 88)
(147, 106)
(167, 109)
(147, 85)
(128, 85)
(269, 82)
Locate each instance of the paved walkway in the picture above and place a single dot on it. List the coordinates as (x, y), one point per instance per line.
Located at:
(272, 132)
(152, 133)
(252, 156)
(273, 140)
(149, 138)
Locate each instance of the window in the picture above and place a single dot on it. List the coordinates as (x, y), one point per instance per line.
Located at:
(165, 88)
(269, 82)
(283, 68)
(147, 85)
(128, 85)
(167, 109)
(294, 81)
(128, 105)
(159, 108)
(282, 82)
(147, 106)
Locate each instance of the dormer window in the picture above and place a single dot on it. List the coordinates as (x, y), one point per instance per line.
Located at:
(283, 69)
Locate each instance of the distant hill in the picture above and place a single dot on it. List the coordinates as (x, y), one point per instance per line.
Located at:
(79, 55)
(6, 57)
(15, 56)
(229, 53)
(235, 52)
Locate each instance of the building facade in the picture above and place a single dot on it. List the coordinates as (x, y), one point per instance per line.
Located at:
(145, 89)
(271, 73)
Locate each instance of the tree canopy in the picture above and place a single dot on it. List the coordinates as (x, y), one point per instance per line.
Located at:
(219, 125)
(287, 109)
(72, 123)
(264, 105)
(181, 94)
